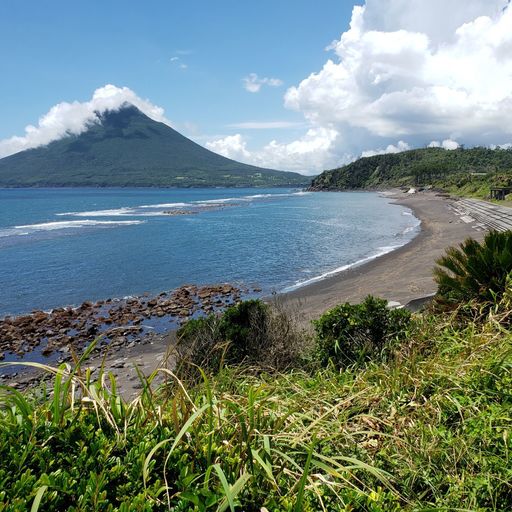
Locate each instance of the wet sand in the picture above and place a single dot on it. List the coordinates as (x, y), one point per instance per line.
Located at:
(402, 275)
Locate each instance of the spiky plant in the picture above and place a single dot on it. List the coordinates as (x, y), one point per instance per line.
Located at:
(475, 272)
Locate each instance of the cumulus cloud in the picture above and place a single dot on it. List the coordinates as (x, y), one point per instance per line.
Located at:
(253, 82)
(233, 146)
(448, 144)
(507, 145)
(74, 118)
(400, 146)
(405, 69)
(310, 152)
(409, 68)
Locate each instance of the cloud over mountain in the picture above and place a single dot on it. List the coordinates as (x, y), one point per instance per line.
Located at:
(74, 118)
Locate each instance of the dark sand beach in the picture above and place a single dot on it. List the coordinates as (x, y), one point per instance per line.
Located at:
(402, 275)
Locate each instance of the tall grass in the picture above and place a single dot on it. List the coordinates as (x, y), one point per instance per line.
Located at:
(428, 429)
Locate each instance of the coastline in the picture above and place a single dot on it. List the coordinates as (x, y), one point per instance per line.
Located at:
(402, 275)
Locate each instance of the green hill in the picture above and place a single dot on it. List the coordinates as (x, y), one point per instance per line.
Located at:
(127, 148)
(468, 170)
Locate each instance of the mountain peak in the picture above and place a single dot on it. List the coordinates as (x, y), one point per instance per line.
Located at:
(128, 148)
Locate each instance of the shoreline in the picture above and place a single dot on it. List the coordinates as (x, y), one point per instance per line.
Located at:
(402, 275)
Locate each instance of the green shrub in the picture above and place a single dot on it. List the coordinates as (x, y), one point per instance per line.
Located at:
(244, 326)
(251, 333)
(355, 333)
(475, 272)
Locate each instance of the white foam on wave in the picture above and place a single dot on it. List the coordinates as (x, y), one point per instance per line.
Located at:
(133, 211)
(50, 226)
(4, 233)
(221, 200)
(408, 230)
(380, 252)
(288, 194)
(252, 197)
(99, 213)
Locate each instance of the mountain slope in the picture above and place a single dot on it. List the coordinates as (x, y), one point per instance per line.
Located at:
(419, 166)
(127, 148)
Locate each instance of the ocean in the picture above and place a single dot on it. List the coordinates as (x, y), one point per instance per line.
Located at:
(64, 246)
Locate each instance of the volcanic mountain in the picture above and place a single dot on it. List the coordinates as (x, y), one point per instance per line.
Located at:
(127, 148)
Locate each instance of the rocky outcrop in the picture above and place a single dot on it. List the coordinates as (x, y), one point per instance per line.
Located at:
(118, 321)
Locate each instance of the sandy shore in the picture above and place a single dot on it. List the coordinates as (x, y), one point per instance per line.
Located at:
(402, 275)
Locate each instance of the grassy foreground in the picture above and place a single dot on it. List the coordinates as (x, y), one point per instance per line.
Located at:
(430, 429)
(379, 412)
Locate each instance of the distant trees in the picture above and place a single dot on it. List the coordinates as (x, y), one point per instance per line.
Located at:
(436, 166)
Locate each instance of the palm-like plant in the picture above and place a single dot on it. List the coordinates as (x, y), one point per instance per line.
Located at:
(475, 271)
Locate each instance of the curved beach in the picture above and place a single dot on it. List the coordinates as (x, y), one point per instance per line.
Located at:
(402, 275)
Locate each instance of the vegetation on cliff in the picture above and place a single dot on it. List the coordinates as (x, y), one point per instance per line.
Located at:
(467, 171)
(422, 421)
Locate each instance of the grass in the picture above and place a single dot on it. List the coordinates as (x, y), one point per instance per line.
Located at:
(428, 429)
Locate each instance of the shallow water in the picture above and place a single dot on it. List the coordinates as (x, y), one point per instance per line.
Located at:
(64, 246)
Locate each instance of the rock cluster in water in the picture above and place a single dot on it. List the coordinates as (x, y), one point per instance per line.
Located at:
(180, 212)
(121, 322)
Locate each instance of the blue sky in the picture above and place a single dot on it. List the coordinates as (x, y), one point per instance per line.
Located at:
(56, 51)
(397, 74)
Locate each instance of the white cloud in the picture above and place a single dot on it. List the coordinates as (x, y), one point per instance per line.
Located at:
(253, 82)
(422, 70)
(507, 145)
(232, 146)
(400, 146)
(306, 155)
(446, 144)
(74, 118)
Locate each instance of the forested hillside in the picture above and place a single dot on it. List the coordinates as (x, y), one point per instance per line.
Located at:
(127, 148)
(469, 170)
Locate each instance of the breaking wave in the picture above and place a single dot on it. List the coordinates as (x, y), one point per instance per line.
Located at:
(380, 252)
(50, 226)
(142, 210)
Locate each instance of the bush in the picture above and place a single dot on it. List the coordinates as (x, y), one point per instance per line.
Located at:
(250, 333)
(355, 333)
(475, 272)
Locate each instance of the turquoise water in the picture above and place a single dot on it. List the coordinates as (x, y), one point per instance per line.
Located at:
(63, 246)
